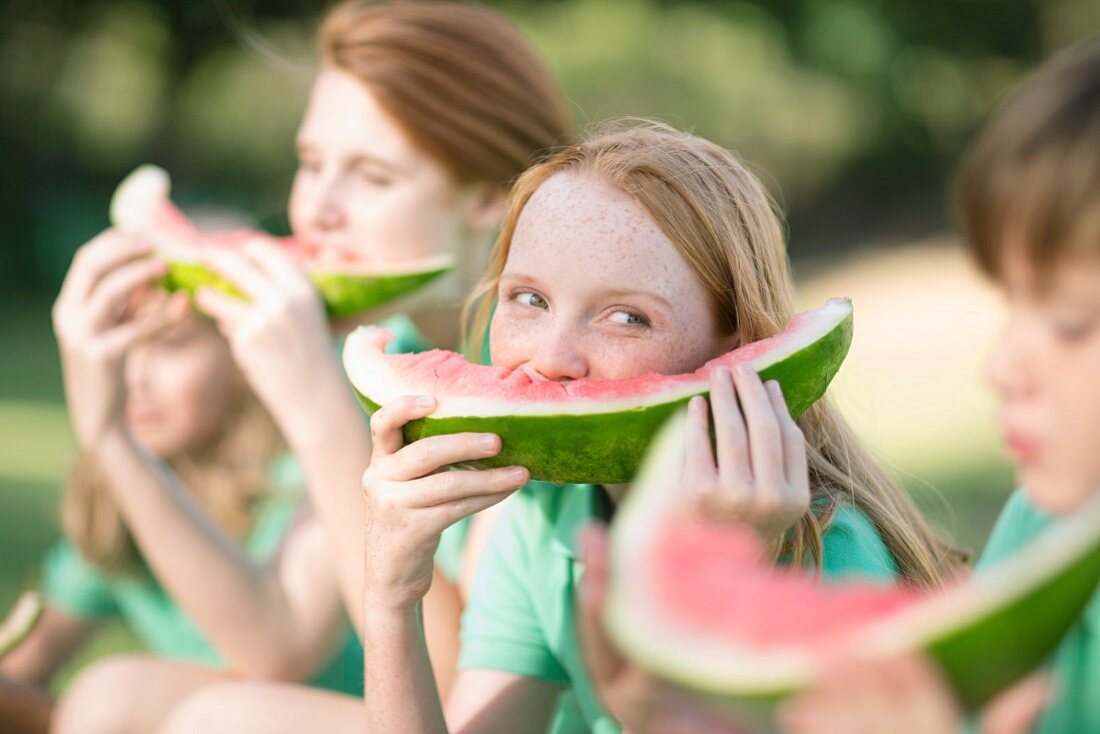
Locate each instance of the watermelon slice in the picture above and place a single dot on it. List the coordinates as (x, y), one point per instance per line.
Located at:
(693, 601)
(584, 431)
(348, 285)
(20, 621)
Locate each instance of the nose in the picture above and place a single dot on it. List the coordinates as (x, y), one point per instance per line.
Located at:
(558, 357)
(1006, 366)
(330, 213)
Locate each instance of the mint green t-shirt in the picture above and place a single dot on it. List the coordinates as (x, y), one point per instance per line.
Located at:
(1076, 663)
(86, 591)
(521, 611)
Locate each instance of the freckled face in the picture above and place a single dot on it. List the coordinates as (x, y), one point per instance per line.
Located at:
(593, 288)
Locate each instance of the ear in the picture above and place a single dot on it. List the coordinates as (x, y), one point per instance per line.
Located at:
(731, 341)
(486, 209)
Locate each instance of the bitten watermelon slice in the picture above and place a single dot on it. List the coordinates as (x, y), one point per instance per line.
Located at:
(20, 621)
(584, 431)
(693, 600)
(347, 284)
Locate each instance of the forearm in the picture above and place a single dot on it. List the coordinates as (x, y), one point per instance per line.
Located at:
(399, 688)
(331, 439)
(235, 602)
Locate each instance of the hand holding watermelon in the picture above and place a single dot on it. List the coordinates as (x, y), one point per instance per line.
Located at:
(279, 335)
(96, 322)
(412, 498)
(760, 475)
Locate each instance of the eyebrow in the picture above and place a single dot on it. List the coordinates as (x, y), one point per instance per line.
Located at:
(627, 292)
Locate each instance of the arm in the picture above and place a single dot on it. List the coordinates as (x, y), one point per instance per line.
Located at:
(282, 344)
(268, 622)
(49, 645)
(409, 502)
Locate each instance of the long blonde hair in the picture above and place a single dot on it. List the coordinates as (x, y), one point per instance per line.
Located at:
(229, 476)
(723, 222)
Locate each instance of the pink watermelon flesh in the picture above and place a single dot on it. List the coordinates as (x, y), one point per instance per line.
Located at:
(712, 578)
(442, 373)
(180, 235)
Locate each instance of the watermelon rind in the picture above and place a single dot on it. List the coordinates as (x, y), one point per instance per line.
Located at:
(345, 291)
(983, 634)
(589, 441)
(24, 614)
(344, 294)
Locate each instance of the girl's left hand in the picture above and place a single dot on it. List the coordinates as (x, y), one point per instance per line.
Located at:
(636, 699)
(760, 475)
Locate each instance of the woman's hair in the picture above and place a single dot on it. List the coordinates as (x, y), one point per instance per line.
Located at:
(1031, 183)
(462, 81)
(723, 222)
(229, 476)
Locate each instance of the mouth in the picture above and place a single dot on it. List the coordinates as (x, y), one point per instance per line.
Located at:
(141, 415)
(1022, 448)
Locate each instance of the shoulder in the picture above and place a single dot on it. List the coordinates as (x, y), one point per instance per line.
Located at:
(1019, 522)
(852, 547)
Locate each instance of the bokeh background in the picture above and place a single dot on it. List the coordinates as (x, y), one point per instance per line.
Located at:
(854, 112)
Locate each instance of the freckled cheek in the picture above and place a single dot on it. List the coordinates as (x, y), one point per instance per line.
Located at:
(622, 359)
(512, 342)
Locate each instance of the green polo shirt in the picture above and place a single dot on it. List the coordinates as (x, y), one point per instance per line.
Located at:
(521, 611)
(84, 590)
(1076, 662)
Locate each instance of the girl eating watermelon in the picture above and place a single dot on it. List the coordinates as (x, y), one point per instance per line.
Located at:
(420, 117)
(1029, 199)
(640, 250)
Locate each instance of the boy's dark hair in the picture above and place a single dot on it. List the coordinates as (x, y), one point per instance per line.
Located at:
(1031, 183)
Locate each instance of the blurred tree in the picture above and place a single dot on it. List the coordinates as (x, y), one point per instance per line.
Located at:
(854, 110)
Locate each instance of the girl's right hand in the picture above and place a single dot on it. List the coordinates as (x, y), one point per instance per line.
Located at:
(95, 324)
(412, 498)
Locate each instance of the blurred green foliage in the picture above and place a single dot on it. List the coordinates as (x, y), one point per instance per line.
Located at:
(855, 110)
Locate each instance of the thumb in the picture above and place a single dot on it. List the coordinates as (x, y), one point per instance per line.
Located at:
(1017, 709)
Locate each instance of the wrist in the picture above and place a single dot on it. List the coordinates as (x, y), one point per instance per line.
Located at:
(327, 415)
(111, 439)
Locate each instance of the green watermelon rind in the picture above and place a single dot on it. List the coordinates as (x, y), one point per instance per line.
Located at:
(607, 448)
(344, 294)
(983, 635)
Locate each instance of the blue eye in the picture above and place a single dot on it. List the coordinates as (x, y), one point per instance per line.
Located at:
(629, 318)
(528, 298)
